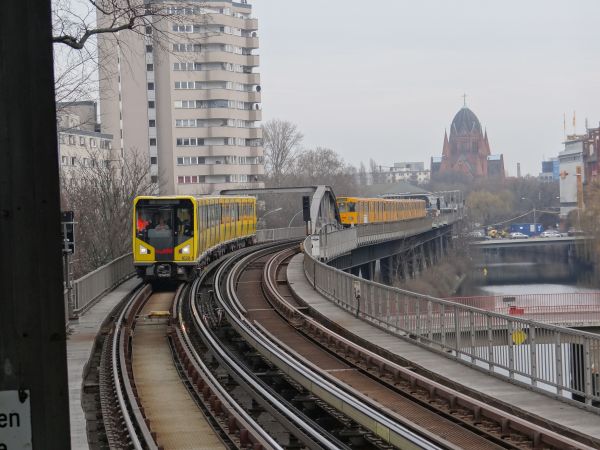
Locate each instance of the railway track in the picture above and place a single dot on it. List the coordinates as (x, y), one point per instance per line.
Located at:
(238, 361)
(409, 398)
(161, 400)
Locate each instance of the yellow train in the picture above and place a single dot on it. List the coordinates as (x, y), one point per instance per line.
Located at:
(356, 211)
(176, 235)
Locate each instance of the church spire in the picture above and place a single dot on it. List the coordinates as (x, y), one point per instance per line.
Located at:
(464, 96)
(446, 148)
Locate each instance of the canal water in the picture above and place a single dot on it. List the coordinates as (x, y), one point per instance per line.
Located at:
(518, 289)
(546, 353)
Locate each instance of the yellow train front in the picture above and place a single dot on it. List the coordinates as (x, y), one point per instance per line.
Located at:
(358, 211)
(175, 236)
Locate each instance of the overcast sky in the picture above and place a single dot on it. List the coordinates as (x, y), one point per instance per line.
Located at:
(384, 79)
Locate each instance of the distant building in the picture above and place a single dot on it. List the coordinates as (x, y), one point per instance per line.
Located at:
(495, 166)
(417, 166)
(436, 164)
(578, 168)
(591, 144)
(79, 145)
(467, 151)
(550, 170)
(186, 93)
(571, 174)
(412, 172)
(82, 115)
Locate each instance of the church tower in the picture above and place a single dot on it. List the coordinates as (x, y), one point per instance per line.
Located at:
(467, 150)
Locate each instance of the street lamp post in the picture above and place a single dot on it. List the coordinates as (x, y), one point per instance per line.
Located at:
(533, 205)
(270, 212)
(293, 217)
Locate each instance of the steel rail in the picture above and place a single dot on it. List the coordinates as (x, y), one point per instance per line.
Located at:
(537, 433)
(450, 328)
(244, 419)
(302, 429)
(128, 404)
(371, 418)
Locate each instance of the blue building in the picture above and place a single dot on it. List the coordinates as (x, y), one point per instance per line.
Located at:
(550, 170)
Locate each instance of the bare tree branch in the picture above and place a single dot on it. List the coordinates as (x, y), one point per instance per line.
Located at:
(101, 194)
(281, 141)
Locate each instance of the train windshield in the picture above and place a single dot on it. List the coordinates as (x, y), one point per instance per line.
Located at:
(164, 223)
(344, 206)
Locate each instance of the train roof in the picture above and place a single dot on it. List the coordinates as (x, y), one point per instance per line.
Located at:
(372, 199)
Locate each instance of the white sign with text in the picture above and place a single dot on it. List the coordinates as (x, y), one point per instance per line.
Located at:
(15, 420)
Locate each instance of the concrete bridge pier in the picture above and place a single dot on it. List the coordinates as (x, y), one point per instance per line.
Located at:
(434, 253)
(422, 258)
(387, 270)
(414, 265)
(368, 270)
(439, 248)
(402, 272)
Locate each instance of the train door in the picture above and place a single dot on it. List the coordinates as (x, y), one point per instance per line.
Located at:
(224, 220)
(237, 222)
(241, 207)
(213, 223)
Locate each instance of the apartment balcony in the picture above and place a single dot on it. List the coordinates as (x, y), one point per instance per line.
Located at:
(217, 113)
(239, 41)
(222, 75)
(231, 169)
(251, 24)
(231, 21)
(227, 57)
(210, 188)
(220, 169)
(218, 150)
(219, 132)
(216, 94)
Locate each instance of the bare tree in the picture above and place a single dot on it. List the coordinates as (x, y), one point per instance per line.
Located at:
(77, 24)
(101, 193)
(324, 166)
(281, 143)
(74, 22)
(362, 175)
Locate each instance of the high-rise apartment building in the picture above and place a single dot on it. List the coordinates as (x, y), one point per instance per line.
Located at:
(185, 93)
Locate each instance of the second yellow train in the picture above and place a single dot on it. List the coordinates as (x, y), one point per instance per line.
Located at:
(358, 211)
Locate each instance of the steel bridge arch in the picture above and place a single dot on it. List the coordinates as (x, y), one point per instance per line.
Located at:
(324, 212)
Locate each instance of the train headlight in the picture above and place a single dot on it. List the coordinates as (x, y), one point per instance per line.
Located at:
(186, 250)
(143, 250)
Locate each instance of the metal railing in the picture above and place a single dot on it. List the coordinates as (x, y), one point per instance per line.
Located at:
(549, 358)
(89, 288)
(335, 242)
(566, 309)
(277, 234)
(378, 232)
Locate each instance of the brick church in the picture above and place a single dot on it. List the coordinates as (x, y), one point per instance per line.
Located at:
(467, 151)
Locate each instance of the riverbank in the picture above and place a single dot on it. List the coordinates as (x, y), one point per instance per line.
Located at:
(442, 280)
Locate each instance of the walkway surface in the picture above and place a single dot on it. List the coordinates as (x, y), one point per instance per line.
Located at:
(514, 396)
(79, 349)
(174, 416)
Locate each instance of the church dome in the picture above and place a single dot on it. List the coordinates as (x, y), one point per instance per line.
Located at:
(465, 122)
